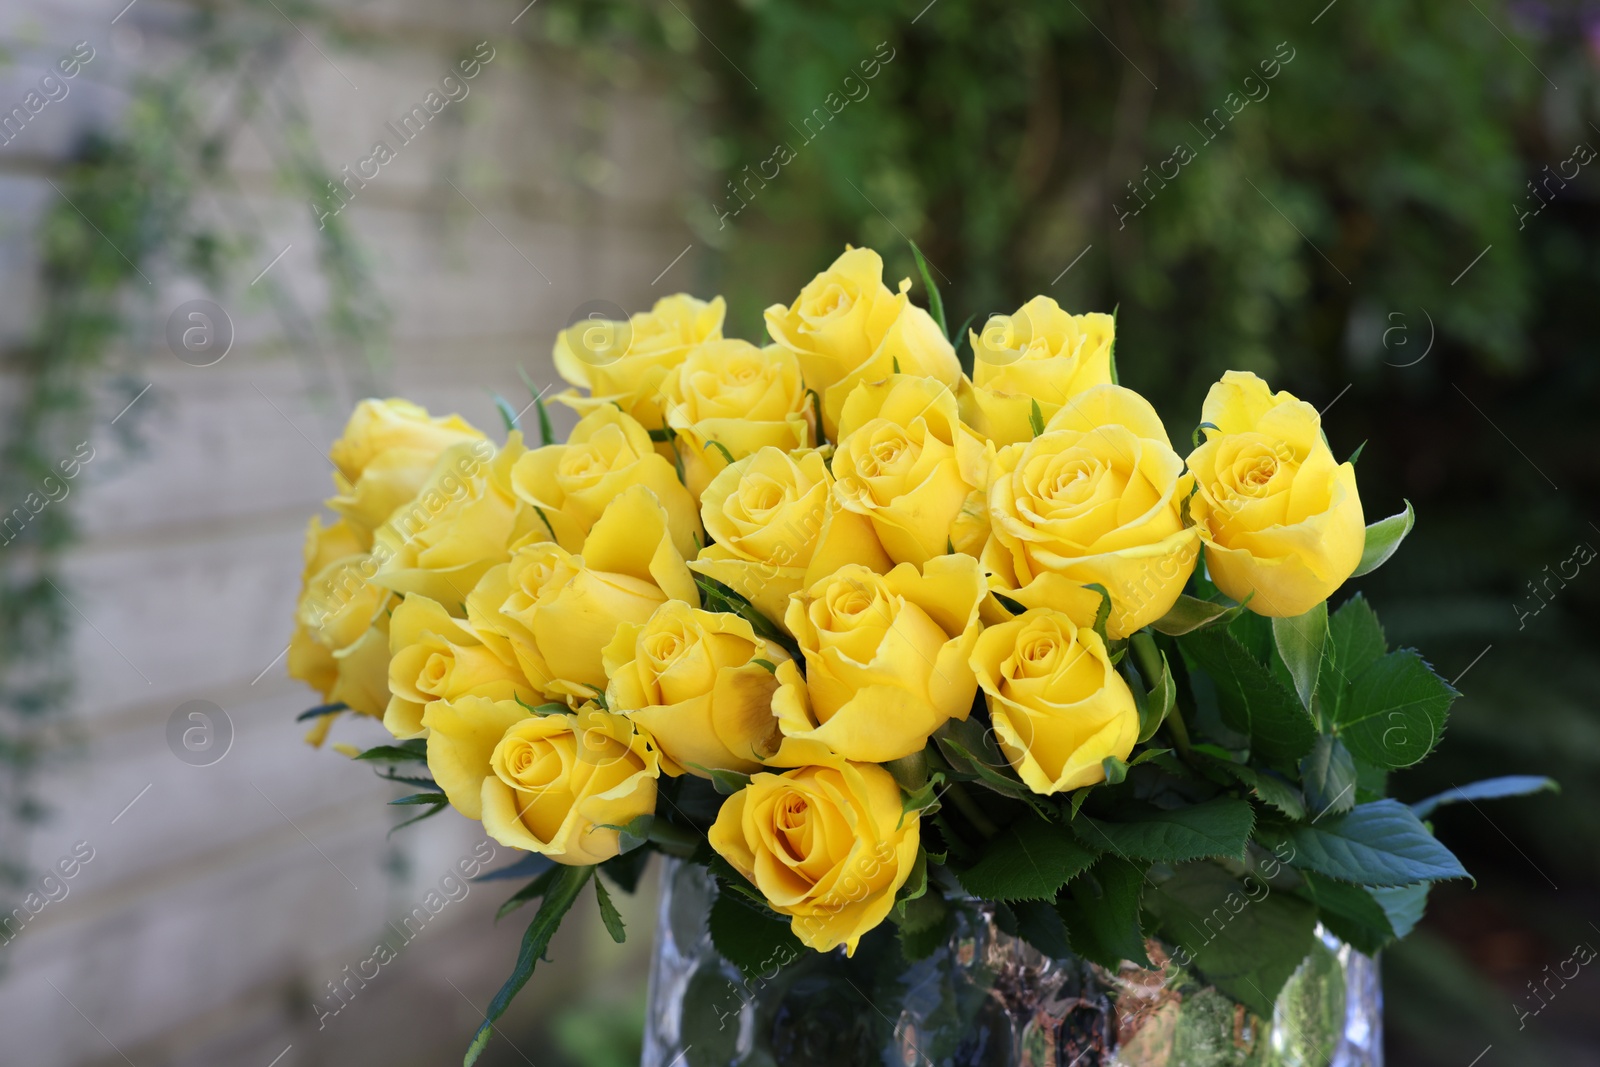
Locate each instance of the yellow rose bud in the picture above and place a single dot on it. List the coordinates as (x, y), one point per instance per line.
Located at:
(1057, 704)
(558, 612)
(1041, 354)
(462, 736)
(690, 678)
(847, 327)
(886, 654)
(571, 484)
(742, 397)
(1095, 499)
(340, 644)
(388, 450)
(624, 363)
(775, 528)
(1280, 518)
(826, 845)
(380, 427)
(435, 657)
(460, 524)
(562, 783)
(907, 463)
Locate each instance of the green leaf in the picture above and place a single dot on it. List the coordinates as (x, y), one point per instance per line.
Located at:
(551, 708)
(925, 927)
(725, 782)
(547, 434)
(563, 891)
(508, 414)
(527, 865)
(1036, 419)
(532, 891)
(923, 800)
(718, 597)
(1101, 913)
(320, 710)
(1040, 925)
(656, 829)
(1189, 613)
(720, 447)
(816, 413)
(767, 664)
(1268, 788)
(1512, 785)
(609, 914)
(1356, 455)
(973, 754)
(935, 302)
(1351, 912)
(749, 936)
(1377, 844)
(1301, 642)
(1219, 827)
(1395, 712)
(1328, 774)
(1103, 612)
(915, 887)
(1357, 635)
(1383, 537)
(1197, 436)
(551, 530)
(430, 813)
(1251, 700)
(1403, 904)
(422, 798)
(406, 752)
(1245, 939)
(895, 363)
(1031, 860)
(1158, 693)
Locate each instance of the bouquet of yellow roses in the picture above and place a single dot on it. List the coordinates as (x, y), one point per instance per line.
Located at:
(866, 628)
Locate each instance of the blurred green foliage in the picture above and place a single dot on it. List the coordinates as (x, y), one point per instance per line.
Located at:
(1361, 220)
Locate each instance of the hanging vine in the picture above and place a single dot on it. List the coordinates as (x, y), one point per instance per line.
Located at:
(137, 207)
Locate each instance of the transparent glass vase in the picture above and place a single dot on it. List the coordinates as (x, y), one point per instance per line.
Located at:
(986, 999)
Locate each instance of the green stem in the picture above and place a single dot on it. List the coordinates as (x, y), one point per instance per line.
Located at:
(1180, 733)
(968, 807)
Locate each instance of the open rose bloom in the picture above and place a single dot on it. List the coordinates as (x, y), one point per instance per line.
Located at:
(877, 624)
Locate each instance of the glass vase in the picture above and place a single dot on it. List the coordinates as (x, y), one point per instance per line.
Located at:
(985, 999)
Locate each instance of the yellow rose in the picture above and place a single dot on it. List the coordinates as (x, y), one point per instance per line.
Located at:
(775, 528)
(1040, 353)
(387, 451)
(571, 484)
(907, 463)
(690, 678)
(545, 783)
(623, 363)
(742, 397)
(1280, 517)
(847, 327)
(826, 845)
(556, 613)
(435, 657)
(1058, 705)
(1095, 499)
(341, 644)
(886, 655)
(460, 524)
